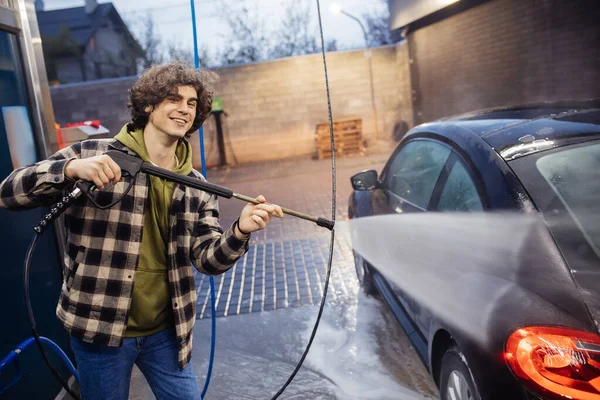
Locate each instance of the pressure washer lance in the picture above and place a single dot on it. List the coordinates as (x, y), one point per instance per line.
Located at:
(133, 165)
(325, 223)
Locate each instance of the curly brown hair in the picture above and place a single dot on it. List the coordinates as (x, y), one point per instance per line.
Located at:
(156, 83)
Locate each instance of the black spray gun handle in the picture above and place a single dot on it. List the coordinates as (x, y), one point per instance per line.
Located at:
(130, 166)
(133, 165)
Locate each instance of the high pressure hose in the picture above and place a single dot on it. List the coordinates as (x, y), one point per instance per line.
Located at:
(53, 214)
(333, 209)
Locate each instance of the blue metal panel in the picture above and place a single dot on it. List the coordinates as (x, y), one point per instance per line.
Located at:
(16, 231)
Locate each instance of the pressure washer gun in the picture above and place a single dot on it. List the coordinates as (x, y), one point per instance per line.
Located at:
(131, 166)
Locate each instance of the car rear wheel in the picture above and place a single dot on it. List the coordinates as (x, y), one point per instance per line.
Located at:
(365, 279)
(456, 380)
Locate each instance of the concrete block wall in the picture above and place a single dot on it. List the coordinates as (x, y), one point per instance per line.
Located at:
(272, 107)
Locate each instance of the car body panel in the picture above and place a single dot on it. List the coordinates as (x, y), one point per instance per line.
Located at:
(583, 262)
(544, 291)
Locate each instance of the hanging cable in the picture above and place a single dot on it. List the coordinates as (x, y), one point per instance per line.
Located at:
(333, 209)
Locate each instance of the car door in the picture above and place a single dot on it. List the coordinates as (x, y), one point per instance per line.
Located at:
(407, 184)
(456, 191)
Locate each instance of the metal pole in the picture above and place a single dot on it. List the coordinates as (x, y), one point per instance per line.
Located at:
(220, 139)
(373, 94)
(369, 54)
(196, 61)
(197, 65)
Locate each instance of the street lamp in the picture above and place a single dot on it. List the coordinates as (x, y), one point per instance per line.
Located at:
(337, 9)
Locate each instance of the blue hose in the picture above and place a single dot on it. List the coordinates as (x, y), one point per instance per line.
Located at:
(213, 336)
(13, 357)
(203, 161)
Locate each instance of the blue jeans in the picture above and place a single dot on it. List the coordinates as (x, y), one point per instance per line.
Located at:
(105, 372)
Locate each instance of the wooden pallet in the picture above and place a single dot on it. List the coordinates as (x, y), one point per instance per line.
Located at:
(347, 135)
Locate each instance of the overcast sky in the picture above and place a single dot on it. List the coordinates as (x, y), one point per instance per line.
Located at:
(173, 17)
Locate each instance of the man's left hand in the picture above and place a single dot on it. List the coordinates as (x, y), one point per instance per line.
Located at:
(255, 217)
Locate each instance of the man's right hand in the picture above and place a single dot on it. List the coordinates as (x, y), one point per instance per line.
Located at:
(99, 169)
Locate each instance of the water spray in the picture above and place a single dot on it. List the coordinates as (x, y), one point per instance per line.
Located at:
(466, 267)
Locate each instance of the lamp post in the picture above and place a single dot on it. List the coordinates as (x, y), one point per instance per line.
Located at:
(337, 9)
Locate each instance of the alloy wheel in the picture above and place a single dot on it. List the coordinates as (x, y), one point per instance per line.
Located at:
(458, 388)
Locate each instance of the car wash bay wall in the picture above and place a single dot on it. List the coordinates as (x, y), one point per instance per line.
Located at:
(272, 107)
(505, 52)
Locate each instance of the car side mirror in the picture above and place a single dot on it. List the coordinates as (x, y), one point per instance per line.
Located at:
(364, 180)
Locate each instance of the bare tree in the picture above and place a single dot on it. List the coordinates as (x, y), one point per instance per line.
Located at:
(377, 25)
(148, 38)
(247, 41)
(294, 38)
(177, 53)
(332, 45)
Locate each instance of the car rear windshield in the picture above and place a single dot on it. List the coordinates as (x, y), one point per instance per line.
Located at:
(574, 176)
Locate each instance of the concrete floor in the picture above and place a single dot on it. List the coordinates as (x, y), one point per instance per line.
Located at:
(359, 352)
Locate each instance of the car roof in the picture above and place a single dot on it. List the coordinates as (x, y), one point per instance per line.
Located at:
(521, 130)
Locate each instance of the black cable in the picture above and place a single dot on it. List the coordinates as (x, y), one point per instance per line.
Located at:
(32, 319)
(333, 210)
(89, 187)
(81, 187)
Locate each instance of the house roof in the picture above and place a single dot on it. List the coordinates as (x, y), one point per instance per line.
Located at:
(82, 26)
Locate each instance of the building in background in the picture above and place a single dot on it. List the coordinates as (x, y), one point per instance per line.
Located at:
(86, 43)
(472, 54)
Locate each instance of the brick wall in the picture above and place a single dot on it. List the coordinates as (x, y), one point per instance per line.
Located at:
(273, 107)
(506, 52)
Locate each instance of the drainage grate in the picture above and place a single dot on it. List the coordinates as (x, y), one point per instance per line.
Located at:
(279, 274)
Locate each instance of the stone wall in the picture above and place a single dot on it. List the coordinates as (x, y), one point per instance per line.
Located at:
(272, 107)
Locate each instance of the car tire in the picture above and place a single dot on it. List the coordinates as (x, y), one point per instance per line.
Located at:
(365, 278)
(456, 379)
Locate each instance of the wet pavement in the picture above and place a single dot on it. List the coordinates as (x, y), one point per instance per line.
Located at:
(268, 303)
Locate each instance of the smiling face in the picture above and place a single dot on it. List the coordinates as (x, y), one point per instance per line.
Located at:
(175, 114)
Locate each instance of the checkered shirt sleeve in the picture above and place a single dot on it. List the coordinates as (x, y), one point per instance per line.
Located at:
(38, 184)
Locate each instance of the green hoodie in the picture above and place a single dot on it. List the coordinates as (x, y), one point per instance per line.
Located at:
(150, 310)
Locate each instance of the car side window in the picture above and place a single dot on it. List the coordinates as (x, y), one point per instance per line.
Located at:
(413, 173)
(459, 192)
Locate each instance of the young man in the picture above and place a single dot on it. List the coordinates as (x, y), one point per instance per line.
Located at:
(128, 293)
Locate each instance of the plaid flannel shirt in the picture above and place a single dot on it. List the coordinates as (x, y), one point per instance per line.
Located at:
(102, 246)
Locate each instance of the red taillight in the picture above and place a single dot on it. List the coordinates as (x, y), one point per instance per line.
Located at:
(560, 362)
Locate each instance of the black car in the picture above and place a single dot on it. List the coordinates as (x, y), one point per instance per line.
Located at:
(542, 159)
